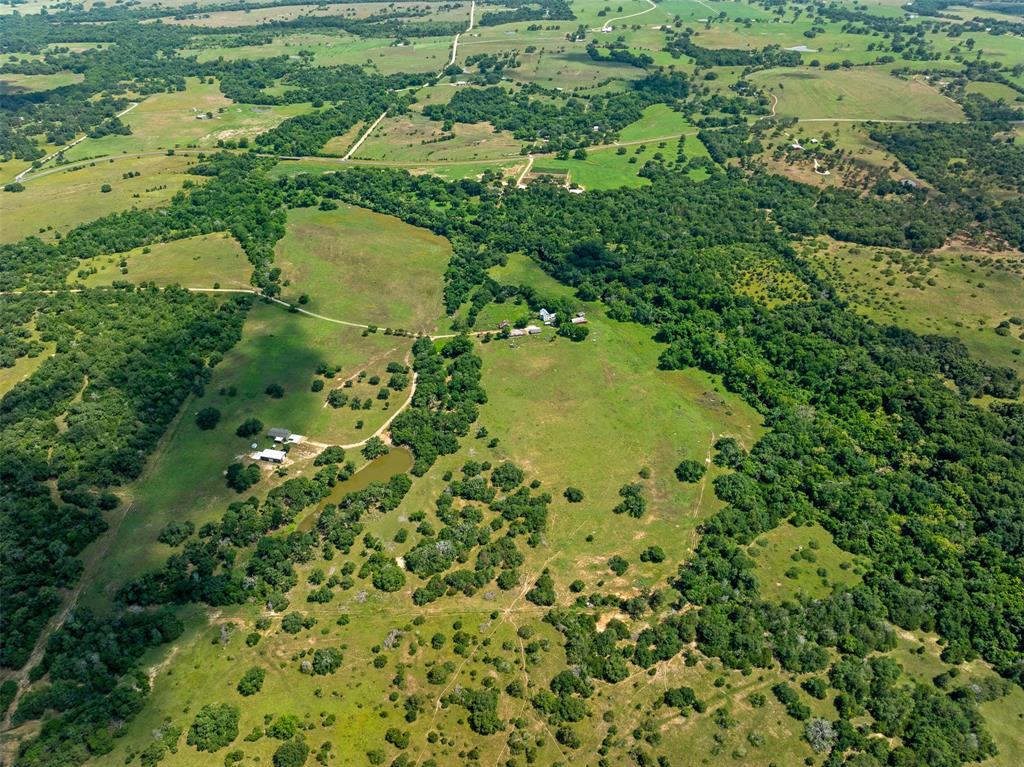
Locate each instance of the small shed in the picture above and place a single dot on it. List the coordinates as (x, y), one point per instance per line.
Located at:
(279, 435)
(533, 330)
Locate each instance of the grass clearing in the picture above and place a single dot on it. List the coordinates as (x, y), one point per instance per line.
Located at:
(23, 367)
(62, 199)
(422, 54)
(12, 84)
(790, 560)
(205, 261)
(865, 93)
(200, 115)
(415, 138)
(364, 267)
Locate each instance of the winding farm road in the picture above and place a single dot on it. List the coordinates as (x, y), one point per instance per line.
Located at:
(611, 22)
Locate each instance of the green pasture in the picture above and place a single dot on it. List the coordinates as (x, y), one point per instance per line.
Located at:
(11, 84)
(364, 267)
(833, 45)
(863, 93)
(604, 166)
(200, 115)
(422, 54)
(184, 479)
(24, 367)
(950, 295)
(412, 138)
(64, 198)
(205, 261)
(554, 63)
(790, 560)
(252, 17)
(994, 91)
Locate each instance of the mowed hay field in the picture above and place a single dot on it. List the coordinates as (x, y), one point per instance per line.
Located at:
(184, 479)
(63, 199)
(171, 120)
(413, 138)
(206, 261)
(363, 267)
(863, 93)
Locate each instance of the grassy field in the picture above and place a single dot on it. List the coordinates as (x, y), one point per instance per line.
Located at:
(606, 168)
(414, 138)
(257, 16)
(789, 560)
(948, 294)
(423, 54)
(864, 93)
(23, 367)
(172, 120)
(184, 479)
(206, 261)
(63, 199)
(363, 267)
(11, 84)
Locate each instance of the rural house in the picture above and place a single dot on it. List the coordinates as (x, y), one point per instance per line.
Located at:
(274, 456)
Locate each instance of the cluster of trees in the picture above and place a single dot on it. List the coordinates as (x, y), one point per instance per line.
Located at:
(93, 684)
(526, 10)
(574, 123)
(974, 164)
(445, 405)
(765, 58)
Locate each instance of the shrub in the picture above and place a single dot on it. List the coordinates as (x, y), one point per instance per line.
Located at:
(251, 681)
(291, 754)
(374, 448)
(573, 494)
(652, 554)
(175, 533)
(250, 427)
(690, 470)
(507, 477)
(215, 726)
(208, 418)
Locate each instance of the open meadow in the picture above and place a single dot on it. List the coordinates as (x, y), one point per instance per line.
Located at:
(855, 94)
(198, 116)
(364, 268)
(59, 199)
(206, 261)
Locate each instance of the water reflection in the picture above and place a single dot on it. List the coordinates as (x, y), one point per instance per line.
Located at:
(398, 461)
